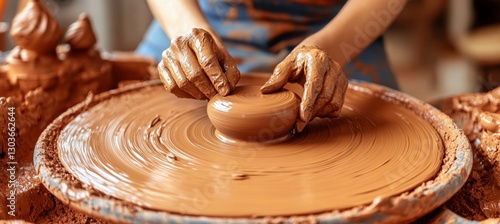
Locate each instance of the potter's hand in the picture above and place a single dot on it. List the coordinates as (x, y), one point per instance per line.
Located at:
(323, 80)
(194, 66)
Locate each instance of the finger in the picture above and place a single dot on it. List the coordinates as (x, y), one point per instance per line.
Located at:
(278, 79)
(327, 92)
(193, 71)
(179, 77)
(333, 108)
(300, 125)
(312, 87)
(340, 93)
(206, 52)
(289, 70)
(230, 69)
(169, 83)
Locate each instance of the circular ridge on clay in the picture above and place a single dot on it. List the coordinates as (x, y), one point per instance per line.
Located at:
(410, 205)
(249, 115)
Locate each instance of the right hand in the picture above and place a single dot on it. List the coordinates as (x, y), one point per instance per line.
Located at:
(194, 66)
(324, 82)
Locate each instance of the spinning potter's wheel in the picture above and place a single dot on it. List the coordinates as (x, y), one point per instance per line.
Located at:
(140, 154)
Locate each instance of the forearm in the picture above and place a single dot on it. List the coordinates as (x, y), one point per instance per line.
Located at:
(180, 17)
(356, 26)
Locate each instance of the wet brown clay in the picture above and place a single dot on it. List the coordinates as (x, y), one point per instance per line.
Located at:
(249, 115)
(170, 159)
(479, 116)
(41, 83)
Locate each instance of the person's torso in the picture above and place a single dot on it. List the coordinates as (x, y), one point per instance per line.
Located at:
(269, 24)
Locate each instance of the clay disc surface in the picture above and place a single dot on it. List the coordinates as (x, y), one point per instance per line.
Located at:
(155, 150)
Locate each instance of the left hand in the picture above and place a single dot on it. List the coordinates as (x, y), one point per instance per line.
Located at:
(195, 66)
(323, 80)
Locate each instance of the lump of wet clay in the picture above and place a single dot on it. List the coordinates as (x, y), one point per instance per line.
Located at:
(39, 80)
(248, 115)
(479, 117)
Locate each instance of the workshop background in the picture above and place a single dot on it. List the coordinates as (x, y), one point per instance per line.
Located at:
(436, 48)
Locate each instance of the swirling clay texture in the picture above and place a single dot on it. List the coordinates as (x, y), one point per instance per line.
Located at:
(249, 115)
(153, 149)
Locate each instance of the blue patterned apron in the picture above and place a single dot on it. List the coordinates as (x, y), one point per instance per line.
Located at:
(261, 33)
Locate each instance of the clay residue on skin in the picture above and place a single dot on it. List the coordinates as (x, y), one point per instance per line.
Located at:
(214, 178)
(479, 116)
(249, 115)
(194, 66)
(324, 82)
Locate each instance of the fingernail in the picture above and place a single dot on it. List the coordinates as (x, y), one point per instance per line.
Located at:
(300, 125)
(307, 114)
(264, 89)
(224, 91)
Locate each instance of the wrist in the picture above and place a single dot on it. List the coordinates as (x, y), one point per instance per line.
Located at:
(327, 45)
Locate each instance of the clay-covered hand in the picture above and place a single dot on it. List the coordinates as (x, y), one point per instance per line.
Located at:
(323, 80)
(194, 66)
